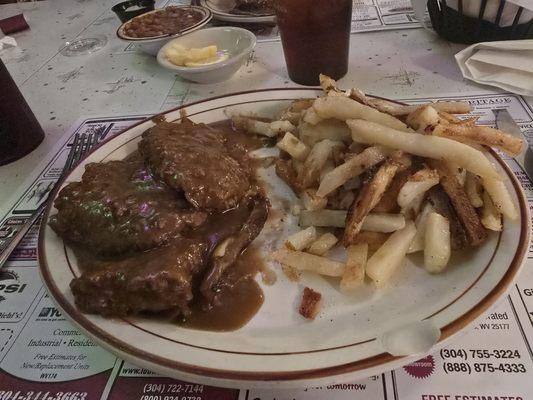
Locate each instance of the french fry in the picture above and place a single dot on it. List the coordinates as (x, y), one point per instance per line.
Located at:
(442, 204)
(435, 147)
(423, 119)
(482, 135)
(291, 116)
(450, 107)
(344, 108)
(500, 197)
(373, 222)
(389, 200)
(300, 105)
(382, 105)
(490, 216)
(374, 239)
(308, 262)
(447, 117)
(315, 161)
(398, 110)
(296, 209)
(338, 154)
(401, 159)
(359, 96)
(220, 250)
(282, 126)
(252, 126)
(466, 213)
(346, 200)
(328, 167)
(381, 222)
(355, 166)
(414, 206)
(332, 129)
(311, 201)
(294, 112)
(292, 273)
(354, 273)
(311, 116)
(327, 83)
(301, 239)
(353, 183)
(386, 260)
(437, 243)
(353, 149)
(417, 184)
(263, 128)
(458, 172)
(474, 190)
(417, 244)
(298, 168)
(331, 218)
(471, 121)
(323, 244)
(292, 145)
(369, 196)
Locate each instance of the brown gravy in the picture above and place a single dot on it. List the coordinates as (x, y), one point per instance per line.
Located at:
(239, 296)
(239, 299)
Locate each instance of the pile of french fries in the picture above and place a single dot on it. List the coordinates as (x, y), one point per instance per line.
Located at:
(384, 180)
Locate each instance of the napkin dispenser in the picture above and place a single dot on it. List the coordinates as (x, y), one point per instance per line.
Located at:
(472, 21)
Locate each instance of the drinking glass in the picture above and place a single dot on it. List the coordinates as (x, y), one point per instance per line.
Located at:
(20, 132)
(315, 35)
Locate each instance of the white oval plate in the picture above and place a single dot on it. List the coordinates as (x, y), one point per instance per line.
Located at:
(278, 347)
(222, 15)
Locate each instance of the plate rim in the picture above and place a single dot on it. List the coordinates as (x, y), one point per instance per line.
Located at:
(113, 344)
(242, 18)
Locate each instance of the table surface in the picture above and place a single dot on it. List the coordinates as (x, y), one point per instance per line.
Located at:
(402, 64)
(395, 64)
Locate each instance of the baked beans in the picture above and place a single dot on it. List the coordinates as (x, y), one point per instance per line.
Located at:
(167, 21)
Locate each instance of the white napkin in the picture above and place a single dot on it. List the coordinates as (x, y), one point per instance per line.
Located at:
(7, 41)
(506, 64)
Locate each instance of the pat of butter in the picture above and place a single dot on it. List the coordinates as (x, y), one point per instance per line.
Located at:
(194, 57)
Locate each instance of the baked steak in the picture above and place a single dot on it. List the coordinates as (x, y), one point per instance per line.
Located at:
(164, 226)
(197, 160)
(118, 207)
(165, 278)
(157, 280)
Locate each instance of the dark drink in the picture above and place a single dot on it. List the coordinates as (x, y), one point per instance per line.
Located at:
(315, 35)
(20, 132)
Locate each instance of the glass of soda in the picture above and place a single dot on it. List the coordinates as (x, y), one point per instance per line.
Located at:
(20, 132)
(315, 35)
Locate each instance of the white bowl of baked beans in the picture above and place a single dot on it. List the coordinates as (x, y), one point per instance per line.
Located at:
(153, 29)
(234, 43)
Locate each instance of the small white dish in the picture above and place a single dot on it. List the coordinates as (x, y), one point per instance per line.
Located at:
(237, 43)
(152, 44)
